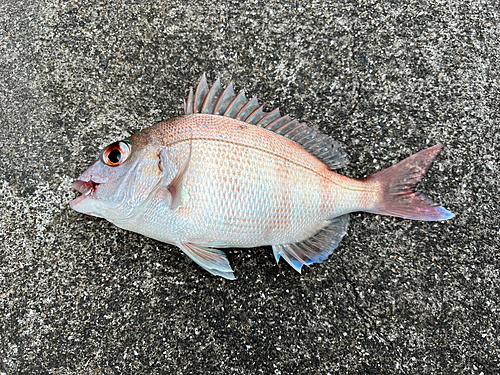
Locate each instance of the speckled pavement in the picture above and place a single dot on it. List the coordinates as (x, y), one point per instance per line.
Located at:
(386, 78)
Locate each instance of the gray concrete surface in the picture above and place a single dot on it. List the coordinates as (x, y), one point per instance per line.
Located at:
(387, 78)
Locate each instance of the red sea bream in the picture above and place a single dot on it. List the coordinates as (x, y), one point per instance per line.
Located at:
(228, 174)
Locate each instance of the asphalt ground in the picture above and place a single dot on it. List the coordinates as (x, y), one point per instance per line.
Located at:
(386, 78)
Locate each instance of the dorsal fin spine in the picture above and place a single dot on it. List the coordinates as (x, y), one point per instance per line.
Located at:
(211, 98)
(236, 105)
(285, 128)
(189, 106)
(200, 94)
(277, 123)
(270, 117)
(226, 98)
(256, 115)
(247, 109)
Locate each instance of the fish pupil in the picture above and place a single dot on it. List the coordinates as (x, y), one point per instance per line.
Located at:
(115, 156)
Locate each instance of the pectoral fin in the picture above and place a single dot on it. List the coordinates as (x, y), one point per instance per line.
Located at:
(175, 187)
(213, 260)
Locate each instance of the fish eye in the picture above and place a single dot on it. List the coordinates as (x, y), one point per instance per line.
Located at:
(116, 153)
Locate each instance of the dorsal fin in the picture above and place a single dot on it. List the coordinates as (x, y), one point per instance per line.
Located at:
(217, 100)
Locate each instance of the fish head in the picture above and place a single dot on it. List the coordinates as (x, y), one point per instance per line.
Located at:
(118, 183)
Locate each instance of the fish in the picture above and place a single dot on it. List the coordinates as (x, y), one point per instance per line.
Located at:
(228, 174)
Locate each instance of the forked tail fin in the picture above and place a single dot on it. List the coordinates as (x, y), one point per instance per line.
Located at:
(398, 196)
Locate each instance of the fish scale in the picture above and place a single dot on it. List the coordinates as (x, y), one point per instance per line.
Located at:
(229, 174)
(255, 173)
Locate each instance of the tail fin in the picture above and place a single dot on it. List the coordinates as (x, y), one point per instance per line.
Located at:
(398, 197)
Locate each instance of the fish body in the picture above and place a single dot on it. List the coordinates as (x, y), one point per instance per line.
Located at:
(228, 174)
(245, 186)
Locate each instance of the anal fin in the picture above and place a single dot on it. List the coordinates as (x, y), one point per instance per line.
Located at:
(316, 248)
(213, 260)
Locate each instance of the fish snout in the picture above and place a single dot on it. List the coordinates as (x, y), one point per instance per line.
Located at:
(86, 188)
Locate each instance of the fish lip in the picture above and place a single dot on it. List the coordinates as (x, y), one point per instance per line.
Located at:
(86, 188)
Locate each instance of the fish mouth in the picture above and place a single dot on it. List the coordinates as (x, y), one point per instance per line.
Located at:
(86, 188)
